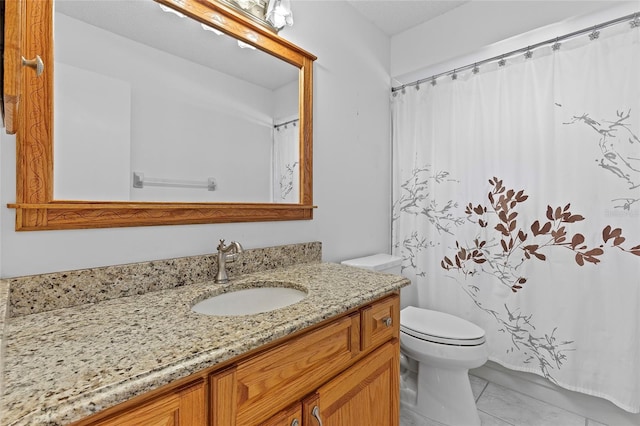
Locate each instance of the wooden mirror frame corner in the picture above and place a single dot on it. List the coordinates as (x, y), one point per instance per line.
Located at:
(29, 104)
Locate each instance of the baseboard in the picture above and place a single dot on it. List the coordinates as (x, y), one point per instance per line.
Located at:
(537, 387)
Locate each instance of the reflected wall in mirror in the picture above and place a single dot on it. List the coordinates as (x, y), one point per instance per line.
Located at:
(172, 101)
(140, 102)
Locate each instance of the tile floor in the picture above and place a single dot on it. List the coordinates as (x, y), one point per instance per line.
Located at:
(499, 406)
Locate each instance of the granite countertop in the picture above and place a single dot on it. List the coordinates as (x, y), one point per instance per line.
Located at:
(62, 365)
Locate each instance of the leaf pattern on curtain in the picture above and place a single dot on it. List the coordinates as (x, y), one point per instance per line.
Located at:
(615, 137)
(502, 256)
(286, 179)
(415, 192)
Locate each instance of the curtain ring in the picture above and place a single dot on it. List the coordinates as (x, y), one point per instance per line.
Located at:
(528, 54)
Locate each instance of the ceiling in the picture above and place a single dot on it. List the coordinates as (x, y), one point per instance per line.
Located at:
(396, 16)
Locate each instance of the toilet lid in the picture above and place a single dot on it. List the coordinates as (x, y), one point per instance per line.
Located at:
(440, 327)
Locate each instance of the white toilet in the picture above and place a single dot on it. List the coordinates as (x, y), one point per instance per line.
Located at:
(440, 348)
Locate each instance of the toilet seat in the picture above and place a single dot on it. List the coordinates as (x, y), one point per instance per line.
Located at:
(440, 327)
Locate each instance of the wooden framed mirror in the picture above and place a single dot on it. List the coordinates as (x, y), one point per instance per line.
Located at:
(30, 35)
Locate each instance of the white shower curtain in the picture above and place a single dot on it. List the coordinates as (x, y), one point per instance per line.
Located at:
(517, 207)
(286, 160)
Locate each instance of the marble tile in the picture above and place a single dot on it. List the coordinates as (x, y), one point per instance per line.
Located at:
(477, 386)
(410, 418)
(489, 420)
(519, 409)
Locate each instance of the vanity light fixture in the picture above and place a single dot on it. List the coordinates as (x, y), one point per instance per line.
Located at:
(279, 13)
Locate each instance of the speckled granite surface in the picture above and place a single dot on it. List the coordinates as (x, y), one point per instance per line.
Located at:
(65, 364)
(39, 293)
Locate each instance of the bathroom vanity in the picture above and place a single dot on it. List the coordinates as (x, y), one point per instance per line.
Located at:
(344, 371)
(149, 359)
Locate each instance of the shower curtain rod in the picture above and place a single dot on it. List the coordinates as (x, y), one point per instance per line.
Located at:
(295, 120)
(634, 21)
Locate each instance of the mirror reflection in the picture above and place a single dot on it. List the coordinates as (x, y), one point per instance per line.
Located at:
(151, 106)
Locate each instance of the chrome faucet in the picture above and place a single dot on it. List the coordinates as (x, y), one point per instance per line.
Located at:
(224, 256)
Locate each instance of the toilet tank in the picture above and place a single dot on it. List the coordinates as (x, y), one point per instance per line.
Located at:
(378, 262)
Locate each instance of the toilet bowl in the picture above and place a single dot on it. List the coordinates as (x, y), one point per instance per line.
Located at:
(445, 348)
(438, 349)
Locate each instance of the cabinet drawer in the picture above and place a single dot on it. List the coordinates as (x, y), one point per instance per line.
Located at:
(380, 322)
(269, 382)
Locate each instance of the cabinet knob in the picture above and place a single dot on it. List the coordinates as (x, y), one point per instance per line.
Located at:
(35, 63)
(387, 321)
(295, 422)
(316, 413)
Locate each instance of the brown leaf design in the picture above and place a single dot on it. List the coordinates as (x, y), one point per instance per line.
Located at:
(558, 213)
(501, 228)
(577, 240)
(618, 240)
(539, 256)
(549, 213)
(609, 233)
(535, 228)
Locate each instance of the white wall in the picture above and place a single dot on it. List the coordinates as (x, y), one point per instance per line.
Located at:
(351, 168)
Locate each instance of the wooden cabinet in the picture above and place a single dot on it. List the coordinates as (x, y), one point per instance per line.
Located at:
(364, 395)
(272, 380)
(289, 417)
(184, 406)
(344, 372)
(380, 322)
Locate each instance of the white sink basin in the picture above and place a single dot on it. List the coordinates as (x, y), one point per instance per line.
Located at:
(249, 301)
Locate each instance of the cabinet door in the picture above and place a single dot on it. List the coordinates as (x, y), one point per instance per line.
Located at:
(380, 322)
(292, 416)
(184, 407)
(367, 394)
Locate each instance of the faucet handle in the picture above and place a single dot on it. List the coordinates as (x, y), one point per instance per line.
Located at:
(221, 245)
